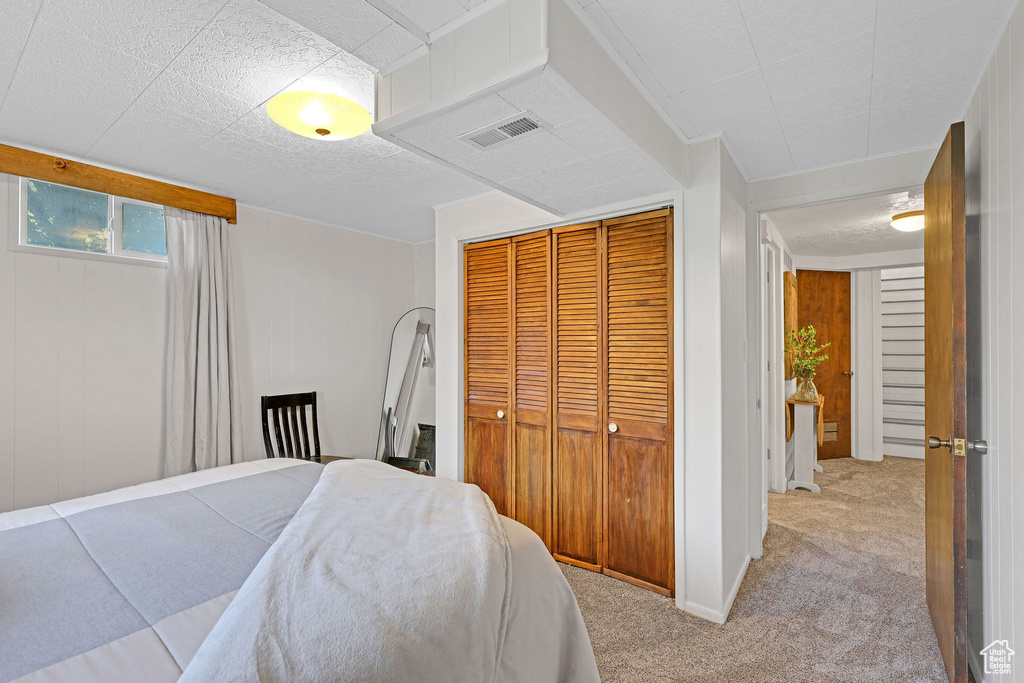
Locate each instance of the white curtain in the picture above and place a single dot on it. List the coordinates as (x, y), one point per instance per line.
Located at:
(203, 406)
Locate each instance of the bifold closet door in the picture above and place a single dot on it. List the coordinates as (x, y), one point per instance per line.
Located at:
(531, 330)
(639, 537)
(578, 381)
(488, 381)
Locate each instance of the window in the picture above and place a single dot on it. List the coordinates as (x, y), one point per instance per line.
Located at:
(85, 222)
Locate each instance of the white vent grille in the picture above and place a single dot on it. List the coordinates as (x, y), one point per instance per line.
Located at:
(503, 131)
(519, 127)
(488, 138)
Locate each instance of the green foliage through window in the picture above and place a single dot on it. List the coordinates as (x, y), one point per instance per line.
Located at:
(81, 220)
(143, 229)
(66, 217)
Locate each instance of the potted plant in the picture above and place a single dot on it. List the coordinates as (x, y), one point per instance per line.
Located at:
(807, 356)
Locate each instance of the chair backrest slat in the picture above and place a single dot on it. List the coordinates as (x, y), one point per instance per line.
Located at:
(288, 412)
(296, 441)
(277, 431)
(305, 431)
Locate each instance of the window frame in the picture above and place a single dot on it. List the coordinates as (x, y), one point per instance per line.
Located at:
(18, 239)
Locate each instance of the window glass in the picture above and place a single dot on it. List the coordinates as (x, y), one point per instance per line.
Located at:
(143, 229)
(66, 217)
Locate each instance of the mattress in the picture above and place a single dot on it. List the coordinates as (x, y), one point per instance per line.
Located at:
(126, 585)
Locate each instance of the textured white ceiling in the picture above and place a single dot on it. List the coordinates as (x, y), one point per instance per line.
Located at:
(849, 228)
(177, 89)
(580, 161)
(799, 84)
(378, 31)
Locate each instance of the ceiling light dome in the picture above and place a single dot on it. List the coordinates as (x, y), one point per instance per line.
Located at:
(319, 115)
(909, 221)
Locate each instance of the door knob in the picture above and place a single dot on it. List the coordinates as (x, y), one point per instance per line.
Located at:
(980, 446)
(848, 373)
(936, 442)
(501, 414)
(612, 427)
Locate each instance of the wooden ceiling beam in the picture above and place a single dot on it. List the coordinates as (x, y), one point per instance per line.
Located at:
(51, 169)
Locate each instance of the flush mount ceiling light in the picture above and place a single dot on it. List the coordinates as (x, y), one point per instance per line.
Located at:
(319, 115)
(909, 221)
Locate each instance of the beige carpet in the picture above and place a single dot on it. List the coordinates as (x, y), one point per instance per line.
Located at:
(838, 596)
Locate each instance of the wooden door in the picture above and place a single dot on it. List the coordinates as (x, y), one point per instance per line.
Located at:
(531, 334)
(488, 380)
(639, 536)
(945, 403)
(578, 399)
(823, 300)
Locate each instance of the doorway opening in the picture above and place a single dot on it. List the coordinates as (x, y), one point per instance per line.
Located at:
(859, 283)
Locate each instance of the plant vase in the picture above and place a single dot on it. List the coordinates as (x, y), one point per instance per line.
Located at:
(806, 391)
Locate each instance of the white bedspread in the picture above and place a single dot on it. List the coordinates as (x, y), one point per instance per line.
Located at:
(384, 575)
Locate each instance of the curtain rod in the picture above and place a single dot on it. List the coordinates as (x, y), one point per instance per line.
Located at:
(22, 162)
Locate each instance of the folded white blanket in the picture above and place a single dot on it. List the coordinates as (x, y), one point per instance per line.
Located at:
(382, 575)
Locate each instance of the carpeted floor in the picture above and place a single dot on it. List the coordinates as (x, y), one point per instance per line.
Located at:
(838, 596)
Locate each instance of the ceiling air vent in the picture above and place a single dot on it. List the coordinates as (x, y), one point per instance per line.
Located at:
(505, 130)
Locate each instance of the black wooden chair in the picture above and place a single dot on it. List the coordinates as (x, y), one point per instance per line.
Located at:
(289, 416)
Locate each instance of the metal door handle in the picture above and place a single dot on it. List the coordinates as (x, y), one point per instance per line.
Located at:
(501, 414)
(936, 442)
(980, 446)
(848, 373)
(612, 427)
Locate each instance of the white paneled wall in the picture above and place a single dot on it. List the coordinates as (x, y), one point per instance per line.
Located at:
(82, 349)
(81, 373)
(903, 361)
(425, 295)
(316, 308)
(995, 228)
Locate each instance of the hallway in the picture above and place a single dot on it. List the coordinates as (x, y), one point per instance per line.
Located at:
(838, 596)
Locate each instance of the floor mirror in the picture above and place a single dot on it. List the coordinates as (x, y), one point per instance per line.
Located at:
(406, 435)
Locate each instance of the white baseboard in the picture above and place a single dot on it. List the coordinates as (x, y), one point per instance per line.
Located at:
(704, 612)
(736, 587)
(715, 615)
(868, 456)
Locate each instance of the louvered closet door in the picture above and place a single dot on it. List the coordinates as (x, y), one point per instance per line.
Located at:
(639, 539)
(578, 380)
(531, 440)
(488, 386)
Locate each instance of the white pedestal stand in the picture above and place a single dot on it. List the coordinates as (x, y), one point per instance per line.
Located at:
(805, 447)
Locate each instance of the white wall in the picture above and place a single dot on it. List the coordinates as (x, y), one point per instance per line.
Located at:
(425, 275)
(741, 515)
(995, 222)
(82, 350)
(866, 363)
(702, 500)
(81, 372)
(316, 308)
(782, 451)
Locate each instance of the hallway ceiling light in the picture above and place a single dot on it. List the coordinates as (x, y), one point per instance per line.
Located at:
(319, 115)
(909, 221)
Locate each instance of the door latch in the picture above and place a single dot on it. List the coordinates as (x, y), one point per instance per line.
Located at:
(958, 446)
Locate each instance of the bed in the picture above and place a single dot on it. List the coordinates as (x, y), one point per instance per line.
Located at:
(284, 569)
